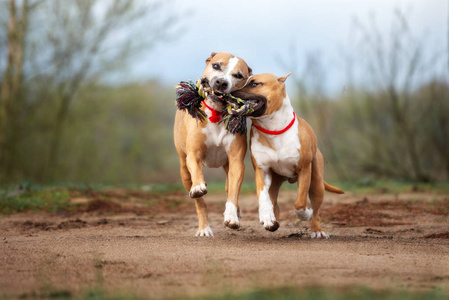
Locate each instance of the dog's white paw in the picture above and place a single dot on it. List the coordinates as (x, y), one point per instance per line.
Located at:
(198, 191)
(205, 232)
(266, 213)
(268, 220)
(319, 235)
(304, 215)
(231, 216)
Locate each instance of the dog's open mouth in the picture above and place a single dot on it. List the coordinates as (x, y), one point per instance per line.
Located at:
(257, 102)
(216, 96)
(212, 94)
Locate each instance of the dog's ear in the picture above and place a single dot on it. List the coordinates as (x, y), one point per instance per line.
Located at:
(250, 71)
(284, 78)
(210, 57)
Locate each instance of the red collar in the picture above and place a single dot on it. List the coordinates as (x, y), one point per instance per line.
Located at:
(216, 115)
(280, 131)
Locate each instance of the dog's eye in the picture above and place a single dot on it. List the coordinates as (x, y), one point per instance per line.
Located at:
(254, 84)
(238, 76)
(216, 66)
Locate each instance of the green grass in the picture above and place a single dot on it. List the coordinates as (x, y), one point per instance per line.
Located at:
(309, 293)
(57, 197)
(366, 186)
(47, 199)
(92, 294)
(371, 186)
(330, 294)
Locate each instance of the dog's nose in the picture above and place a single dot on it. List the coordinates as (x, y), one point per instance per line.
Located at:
(224, 85)
(221, 84)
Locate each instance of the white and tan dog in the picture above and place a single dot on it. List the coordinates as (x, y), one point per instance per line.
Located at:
(284, 147)
(209, 143)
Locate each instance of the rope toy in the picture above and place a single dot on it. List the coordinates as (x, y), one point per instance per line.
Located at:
(189, 97)
(234, 117)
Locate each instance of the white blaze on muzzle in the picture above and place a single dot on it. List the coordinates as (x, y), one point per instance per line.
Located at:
(227, 76)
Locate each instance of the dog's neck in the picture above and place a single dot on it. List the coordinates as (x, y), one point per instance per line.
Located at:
(277, 120)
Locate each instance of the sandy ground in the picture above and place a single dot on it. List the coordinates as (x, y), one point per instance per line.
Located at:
(114, 242)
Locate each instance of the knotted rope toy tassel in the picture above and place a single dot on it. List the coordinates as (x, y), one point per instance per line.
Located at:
(234, 117)
(189, 98)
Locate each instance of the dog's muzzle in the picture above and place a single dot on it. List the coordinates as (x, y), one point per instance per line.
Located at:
(259, 108)
(221, 85)
(215, 89)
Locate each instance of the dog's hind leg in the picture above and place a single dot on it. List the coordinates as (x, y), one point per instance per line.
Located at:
(304, 178)
(316, 194)
(274, 192)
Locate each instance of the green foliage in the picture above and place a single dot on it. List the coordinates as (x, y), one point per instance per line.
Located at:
(50, 200)
(359, 137)
(54, 117)
(113, 135)
(64, 126)
(120, 135)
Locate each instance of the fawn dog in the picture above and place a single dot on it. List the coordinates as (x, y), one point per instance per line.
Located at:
(209, 144)
(284, 147)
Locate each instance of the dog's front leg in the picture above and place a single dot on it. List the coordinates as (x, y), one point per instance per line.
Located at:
(266, 209)
(203, 224)
(201, 208)
(235, 172)
(195, 166)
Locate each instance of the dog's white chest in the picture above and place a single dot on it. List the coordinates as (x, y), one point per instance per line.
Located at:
(284, 158)
(218, 141)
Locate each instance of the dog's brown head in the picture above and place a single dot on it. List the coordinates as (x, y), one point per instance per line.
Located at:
(267, 89)
(225, 73)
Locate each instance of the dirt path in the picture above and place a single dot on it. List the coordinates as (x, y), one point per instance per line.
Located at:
(382, 242)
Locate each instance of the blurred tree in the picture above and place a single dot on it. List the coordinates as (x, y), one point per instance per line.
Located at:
(54, 49)
(391, 119)
(13, 72)
(396, 66)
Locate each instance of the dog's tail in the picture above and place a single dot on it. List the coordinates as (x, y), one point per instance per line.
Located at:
(332, 189)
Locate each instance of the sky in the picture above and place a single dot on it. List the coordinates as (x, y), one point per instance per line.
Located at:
(278, 36)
